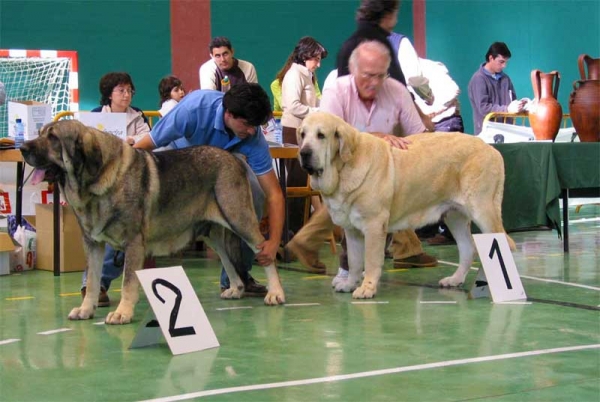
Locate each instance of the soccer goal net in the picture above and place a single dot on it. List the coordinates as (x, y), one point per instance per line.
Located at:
(47, 76)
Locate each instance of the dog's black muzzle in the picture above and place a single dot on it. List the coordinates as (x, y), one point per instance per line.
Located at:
(305, 160)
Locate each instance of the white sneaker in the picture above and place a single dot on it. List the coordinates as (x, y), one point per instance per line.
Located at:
(341, 276)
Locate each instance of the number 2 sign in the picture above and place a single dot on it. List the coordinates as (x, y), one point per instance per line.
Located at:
(180, 315)
(499, 267)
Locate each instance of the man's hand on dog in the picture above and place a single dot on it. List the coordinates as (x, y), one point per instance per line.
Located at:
(396, 142)
(268, 252)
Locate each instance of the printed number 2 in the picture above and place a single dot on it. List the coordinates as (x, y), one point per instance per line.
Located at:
(496, 249)
(175, 332)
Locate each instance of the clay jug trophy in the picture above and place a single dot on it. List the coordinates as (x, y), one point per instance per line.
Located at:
(545, 113)
(584, 102)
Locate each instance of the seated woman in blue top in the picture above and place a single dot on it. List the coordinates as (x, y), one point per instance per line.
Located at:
(116, 93)
(230, 121)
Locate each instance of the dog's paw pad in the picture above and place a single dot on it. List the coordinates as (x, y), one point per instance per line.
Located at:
(273, 299)
(345, 287)
(450, 282)
(363, 292)
(116, 318)
(231, 293)
(79, 313)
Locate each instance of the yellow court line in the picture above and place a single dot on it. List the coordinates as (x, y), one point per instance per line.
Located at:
(310, 278)
(70, 294)
(20, 298)
(396, 270)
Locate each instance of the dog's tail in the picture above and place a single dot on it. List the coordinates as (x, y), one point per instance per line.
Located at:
(511, 243)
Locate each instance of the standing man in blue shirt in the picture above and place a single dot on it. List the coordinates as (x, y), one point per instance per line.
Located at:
(230, 121)
(490, 89)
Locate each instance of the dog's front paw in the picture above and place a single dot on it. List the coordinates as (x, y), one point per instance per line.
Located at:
(345, 286)
(231, 293)
(365, 291)
(274, 298)
(450, 282)
(81, 313)
(118, 317)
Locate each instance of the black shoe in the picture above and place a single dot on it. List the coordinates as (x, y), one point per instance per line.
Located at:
(103, 300)
(254, 289)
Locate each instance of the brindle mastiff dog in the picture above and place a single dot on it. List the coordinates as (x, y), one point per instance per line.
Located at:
(371, 189)
(146, 203)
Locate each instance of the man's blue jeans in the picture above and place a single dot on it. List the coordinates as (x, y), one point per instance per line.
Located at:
(258, 199)
(112, 267)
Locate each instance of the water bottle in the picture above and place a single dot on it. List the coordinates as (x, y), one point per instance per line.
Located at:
(19, 133)
(225, 84)
(278, 132)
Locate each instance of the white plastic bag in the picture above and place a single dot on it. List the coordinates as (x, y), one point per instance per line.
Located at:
(23, 258)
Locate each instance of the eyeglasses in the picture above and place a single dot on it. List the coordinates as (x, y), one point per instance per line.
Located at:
(123, 91)
(378, 77)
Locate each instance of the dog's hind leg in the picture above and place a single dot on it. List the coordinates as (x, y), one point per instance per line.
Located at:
(488, 218)
(134, 261)
(242, 220)
(95, 256)
(228, 247)
(460, 227)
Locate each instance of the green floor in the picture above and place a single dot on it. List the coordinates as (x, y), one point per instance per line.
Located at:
(322, 346)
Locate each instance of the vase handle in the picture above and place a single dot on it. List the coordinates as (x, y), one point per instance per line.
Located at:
(556, 83)
(581, 63)
(536, 84)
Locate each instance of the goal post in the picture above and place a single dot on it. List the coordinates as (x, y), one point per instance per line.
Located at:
(48, 76)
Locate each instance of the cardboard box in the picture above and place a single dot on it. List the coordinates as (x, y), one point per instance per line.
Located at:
(112, 123)
(7, 247)
(72, 256)
(33, 114)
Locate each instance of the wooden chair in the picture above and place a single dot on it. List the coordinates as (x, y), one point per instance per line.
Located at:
(307, 192)
(151, 115)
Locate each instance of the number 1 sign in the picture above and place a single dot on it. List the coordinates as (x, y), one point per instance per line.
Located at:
(180, 315)
(499, 268)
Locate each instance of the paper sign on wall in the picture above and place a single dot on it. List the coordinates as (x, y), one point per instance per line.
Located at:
(499, 269)
(112, 123)
(182, 319)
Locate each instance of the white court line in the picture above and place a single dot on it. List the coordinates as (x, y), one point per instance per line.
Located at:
(512, 302)
(577, 285)
(232, 308)
(369, 302)
(100, 323)
(7, 341)
(301, 304)
(533, 278)
(438, 302)
(365, 374)
(54, 331)
(582, 220)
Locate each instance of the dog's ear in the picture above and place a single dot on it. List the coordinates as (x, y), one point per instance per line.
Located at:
(91, 152)
(345, 135)
(299, 135)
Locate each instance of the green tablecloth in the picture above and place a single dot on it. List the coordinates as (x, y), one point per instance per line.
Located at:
(577, 164)
(537, 172)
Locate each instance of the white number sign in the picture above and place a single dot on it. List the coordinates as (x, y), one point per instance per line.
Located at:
(180, 315)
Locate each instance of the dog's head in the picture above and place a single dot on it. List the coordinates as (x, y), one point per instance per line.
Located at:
(66, 148)
(323, 139)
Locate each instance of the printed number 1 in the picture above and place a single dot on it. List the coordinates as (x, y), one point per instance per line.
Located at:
(496, 248)
(175, 332)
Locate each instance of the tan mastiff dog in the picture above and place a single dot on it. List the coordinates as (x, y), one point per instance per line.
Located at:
(372, 189)
(146, 203)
